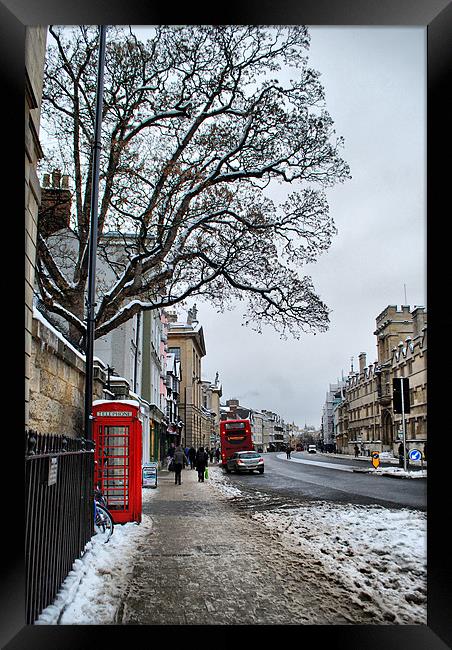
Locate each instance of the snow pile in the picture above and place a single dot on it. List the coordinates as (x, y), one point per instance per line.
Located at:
(399, 471)
(378, 554)
(217, 480)
(92, 591)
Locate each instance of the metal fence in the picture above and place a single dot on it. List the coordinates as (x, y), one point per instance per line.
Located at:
(59, 474)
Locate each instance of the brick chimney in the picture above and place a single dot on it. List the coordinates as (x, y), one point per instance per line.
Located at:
(362, 361)
(55, 210)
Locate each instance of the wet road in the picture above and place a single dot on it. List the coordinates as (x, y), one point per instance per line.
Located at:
(319, 477)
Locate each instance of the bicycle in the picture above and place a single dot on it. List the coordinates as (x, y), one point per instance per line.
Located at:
(103, 521)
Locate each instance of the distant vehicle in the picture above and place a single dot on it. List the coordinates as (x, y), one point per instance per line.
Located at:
(245, 461)
(235, 435)
(312, 449)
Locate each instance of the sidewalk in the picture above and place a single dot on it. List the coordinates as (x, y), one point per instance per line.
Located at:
(389, 466)
(206, 563)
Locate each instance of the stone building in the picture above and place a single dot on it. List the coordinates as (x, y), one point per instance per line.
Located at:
(173, 379)
(402, 352)
(186, 342)
(273, 431)
(257, 429)
(363, 409)
(211, 394)
(35, 48)
(57, 381)
(365, 415)
(332, 399)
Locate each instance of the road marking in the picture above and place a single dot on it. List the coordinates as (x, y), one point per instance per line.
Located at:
(342, 468)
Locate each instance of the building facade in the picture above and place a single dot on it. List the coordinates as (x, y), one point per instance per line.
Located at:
(408, 359)
(332, 399)
(211, 394)
(35, 49)
(363, 410)
(186, 342)
(365, 414)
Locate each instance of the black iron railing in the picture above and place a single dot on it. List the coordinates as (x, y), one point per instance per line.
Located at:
(59, 474)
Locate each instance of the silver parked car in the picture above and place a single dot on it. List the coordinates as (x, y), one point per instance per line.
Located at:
(245, 461)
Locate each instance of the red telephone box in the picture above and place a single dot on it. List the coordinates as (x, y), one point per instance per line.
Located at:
(117, 433)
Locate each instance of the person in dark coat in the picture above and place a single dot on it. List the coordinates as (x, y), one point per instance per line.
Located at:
(401, 450)
(356, 451)
(179, 459)
(192, 457)
(217, 454)
(201, 463)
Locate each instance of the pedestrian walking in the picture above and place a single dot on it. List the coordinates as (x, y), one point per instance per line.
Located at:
(211, 455)
(170, 456)
(356, 451)
(288, 452)
(400, 451)
(179, 460)
(217, 454)
(201, 463)
(192, 457)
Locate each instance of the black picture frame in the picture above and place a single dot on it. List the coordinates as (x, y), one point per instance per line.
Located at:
(436, 16)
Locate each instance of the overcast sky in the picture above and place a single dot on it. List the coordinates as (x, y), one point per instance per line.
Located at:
(375, 83)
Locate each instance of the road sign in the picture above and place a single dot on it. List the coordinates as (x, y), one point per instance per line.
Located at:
(375, 458)
(401, 395)
(415, 454)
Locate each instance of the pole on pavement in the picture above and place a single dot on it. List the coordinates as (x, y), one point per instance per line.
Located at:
(403, 424)
(93, 231)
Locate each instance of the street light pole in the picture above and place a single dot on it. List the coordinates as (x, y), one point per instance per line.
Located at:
(93, 231)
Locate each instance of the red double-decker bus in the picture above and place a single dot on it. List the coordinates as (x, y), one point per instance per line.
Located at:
(235, 435)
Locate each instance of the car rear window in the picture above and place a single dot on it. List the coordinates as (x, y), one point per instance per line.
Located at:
(250, 454)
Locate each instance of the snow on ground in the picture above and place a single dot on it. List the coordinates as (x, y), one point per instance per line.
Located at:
(379, 554)
(400, 472)
(92, 591)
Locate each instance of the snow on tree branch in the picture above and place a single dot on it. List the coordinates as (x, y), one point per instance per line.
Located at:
(198, 126)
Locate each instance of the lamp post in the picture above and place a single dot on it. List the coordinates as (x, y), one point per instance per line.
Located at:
(90, 300)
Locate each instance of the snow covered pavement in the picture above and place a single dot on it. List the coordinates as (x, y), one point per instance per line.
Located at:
(327, 563)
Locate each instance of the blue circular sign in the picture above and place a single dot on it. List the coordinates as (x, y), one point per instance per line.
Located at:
(415, 454)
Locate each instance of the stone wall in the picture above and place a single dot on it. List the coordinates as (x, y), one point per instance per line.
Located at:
(35, 44)
(57, 384)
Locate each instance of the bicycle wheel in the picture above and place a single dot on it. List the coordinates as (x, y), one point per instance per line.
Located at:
(103, 524)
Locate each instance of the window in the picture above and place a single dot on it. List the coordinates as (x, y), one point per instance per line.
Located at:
(176, 352)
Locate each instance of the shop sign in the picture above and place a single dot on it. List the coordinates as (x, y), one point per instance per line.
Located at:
(149, 475)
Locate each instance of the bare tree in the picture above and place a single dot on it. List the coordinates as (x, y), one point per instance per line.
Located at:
(197, 133)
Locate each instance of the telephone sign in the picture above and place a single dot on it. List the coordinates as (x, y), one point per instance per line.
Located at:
(114, 414)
